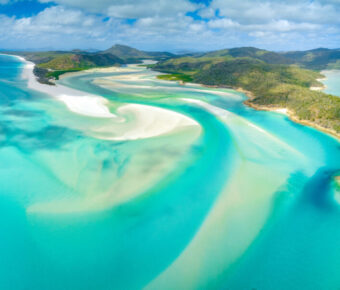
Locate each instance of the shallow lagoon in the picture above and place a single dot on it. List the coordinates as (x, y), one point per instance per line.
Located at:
(249, 195)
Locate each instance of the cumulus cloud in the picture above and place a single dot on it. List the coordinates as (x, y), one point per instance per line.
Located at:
(256, 11)
(223, 23)
(142, 9)
(177, 24)
(131, 8)
(53, 26)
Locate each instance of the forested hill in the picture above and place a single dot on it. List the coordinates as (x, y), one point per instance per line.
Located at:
(274, 79)
(317, 59)
(51, 64)
(130, 54)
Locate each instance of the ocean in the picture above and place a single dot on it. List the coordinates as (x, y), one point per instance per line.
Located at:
(234, 199)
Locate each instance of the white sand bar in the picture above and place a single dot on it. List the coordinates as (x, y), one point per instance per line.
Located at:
(76, 101)
(151, 121)
(131, 121)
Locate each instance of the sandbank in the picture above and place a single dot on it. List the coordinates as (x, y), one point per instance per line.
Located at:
(131, 121)
(76, 101)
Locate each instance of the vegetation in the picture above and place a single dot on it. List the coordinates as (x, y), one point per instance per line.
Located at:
(55, 74)
(176, 77)
(51, 64)
(80, 61)
(317, 59)
(320, 58)
(255, 53)
(274, 85)
(276, 79)
(41, 75)
(130, 54)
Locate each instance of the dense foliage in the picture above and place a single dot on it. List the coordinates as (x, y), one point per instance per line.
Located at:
(51, 64)
(131, 54)
(321, 58)
(274, 85)
(80, 61)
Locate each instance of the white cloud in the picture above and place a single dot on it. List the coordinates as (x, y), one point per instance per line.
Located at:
(143, 8)
(53, 26)
(255, 11)
(283, 26)
(207, 12)
(222, 23)
(131, 8)
(164, 24)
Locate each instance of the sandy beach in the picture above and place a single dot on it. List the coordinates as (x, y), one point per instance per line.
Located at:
(151, 121)
(76, 101)
(131, 121)
(318, 88)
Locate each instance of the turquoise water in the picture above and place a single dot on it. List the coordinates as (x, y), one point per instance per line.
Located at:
(247, 202)
(332, 82)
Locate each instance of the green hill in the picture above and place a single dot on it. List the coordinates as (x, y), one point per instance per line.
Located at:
(51, 64)
(320, 58)
(130, 54)
(125, 52)
(273, 84)
(80, 61)
(260, 54)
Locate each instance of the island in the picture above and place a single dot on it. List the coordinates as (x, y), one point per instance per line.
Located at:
(287, 82)
(271, 80)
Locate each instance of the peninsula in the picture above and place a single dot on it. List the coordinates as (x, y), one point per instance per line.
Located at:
(271, 80)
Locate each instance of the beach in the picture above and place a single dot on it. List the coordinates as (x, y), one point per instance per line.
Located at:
(147, 121)
(331, 82)
(76, 101)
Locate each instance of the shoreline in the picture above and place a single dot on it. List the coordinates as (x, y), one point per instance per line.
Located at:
(280, 110)
(153, 121)
(319, 88)
(76, 101)
(293, 118)
(95, 106)
(110, 69)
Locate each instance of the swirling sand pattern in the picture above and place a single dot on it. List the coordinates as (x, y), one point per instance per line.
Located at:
(114, 179)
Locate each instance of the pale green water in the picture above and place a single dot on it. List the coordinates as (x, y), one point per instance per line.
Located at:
(247, 203)
(332, 82)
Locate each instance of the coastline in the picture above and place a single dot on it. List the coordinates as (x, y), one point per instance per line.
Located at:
(76, 101)
(110, 69)
(152, 120)
(96, 106)
(280, 110)
(320, 88)
(292, 117)
(331, 81)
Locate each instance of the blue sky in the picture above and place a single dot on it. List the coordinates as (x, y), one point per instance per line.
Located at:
(169, 24)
